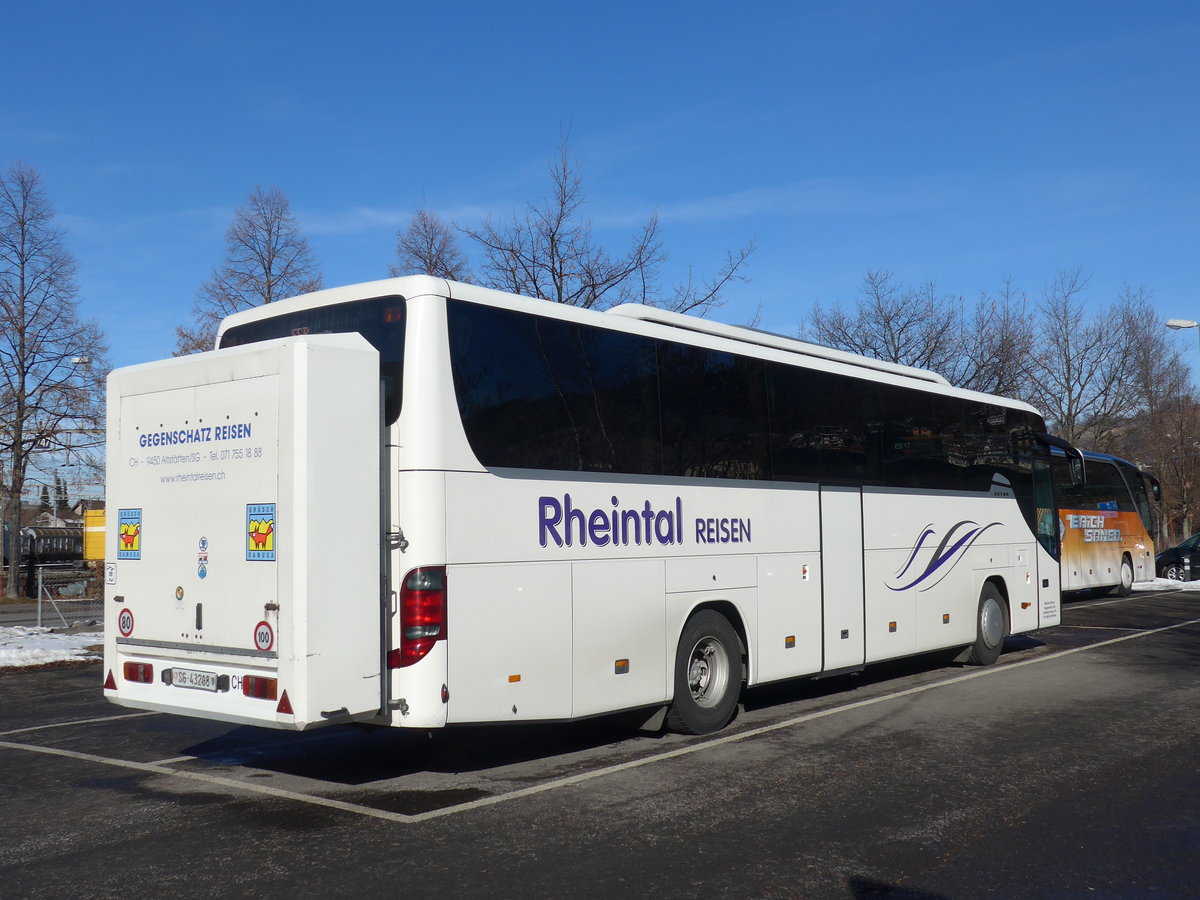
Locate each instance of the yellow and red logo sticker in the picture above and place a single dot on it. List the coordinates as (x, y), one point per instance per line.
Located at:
(129, 534)
(260, 531)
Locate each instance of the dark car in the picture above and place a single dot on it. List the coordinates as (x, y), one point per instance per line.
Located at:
(1181, 562)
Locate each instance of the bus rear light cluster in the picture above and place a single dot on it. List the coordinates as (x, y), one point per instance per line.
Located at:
(142, 673)
(422, 615)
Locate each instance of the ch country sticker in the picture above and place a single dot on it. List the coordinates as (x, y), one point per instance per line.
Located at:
(129, 534)
(260, 531)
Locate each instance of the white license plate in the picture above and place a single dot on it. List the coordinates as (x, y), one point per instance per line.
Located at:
(192, 678)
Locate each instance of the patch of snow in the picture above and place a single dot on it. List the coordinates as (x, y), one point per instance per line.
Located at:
(25, 646)
(1166, 584)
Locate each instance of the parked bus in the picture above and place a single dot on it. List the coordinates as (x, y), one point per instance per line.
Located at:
(1106, 524)
(419, 503)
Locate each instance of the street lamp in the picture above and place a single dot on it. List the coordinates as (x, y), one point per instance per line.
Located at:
(1180, 324)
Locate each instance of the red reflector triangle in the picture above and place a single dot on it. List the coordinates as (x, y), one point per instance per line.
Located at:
(285, 705)
(110, 683)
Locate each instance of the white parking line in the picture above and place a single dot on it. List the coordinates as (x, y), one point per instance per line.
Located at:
(211, 779)
(560, 783)
(1136, 595)
(78, 722)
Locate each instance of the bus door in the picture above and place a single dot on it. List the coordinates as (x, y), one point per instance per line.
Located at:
(843, 605)
(1048, 574)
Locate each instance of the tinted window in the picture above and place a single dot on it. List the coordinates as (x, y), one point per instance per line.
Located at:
(823, 426)
(714, 413)
(380, 321)
(989, 440)
(615, 395)
(1137, 489)
(1106, 488)
(919, 432)
(1069, 496)
(545, 394)
(1103, 488)
(511, 406)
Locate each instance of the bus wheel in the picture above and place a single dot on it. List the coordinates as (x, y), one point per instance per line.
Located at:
(991, 626)
(708, 675)
(1125, 588)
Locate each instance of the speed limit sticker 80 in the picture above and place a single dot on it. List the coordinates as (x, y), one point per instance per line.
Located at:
(125, 622)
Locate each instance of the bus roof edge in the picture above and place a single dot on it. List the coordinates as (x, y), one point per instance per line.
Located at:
(770, 339)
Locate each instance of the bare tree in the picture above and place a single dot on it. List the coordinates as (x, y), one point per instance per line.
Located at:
(51, 363)
(893, 323)
(429, 246)
(549, 252)
(1154, 366)
(266, 259)
(1163, 434)
(1079, 378)
(1173, 455)
(1110, 380)
(998, 344)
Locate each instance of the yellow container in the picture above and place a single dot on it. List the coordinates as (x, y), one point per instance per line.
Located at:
(93, 534)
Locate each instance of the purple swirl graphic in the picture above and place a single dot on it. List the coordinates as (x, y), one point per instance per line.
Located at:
(942, 559)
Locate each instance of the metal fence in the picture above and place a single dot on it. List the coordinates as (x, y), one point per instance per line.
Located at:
(68, 596)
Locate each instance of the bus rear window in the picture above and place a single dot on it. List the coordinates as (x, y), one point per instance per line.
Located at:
(380, 321)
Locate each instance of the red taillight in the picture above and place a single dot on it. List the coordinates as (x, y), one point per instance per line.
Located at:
(422, 615)
(143, 673)
(260, 688)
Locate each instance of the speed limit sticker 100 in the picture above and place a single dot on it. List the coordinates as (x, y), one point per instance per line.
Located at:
(264, 636)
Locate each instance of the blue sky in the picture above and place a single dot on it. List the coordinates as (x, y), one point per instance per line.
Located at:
(963, 142)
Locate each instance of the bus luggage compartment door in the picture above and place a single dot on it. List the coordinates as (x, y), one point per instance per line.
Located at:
(842, 576)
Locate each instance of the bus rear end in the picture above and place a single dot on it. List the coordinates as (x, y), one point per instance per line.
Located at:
(243, 575)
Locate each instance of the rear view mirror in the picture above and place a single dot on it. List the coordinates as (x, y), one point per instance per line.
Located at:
(1075, 465)
(1078, 472)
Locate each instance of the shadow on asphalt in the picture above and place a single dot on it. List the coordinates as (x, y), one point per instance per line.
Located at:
(359, 755)
(356, 755)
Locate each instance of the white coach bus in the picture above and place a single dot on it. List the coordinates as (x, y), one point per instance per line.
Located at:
(419, 503)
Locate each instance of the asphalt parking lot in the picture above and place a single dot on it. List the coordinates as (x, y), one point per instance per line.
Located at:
(1068, 769)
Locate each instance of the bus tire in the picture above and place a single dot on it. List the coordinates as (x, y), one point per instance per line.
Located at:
(991, 625)
(708, 675)
(1125, 588)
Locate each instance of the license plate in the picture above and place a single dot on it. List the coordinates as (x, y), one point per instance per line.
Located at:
(197, 680)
